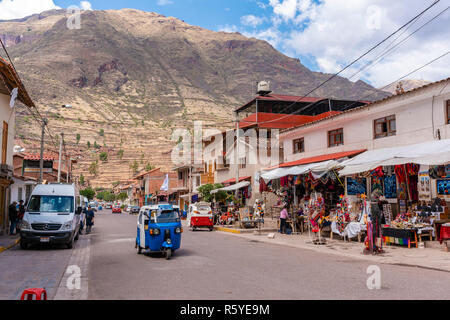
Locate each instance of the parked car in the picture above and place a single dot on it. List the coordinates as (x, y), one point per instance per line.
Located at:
(116, 210)
(53, 215)
(109, 206)
(135, 210)
(127, 209)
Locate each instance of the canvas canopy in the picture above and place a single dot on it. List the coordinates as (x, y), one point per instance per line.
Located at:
(233, 187)
(428, 153)
(321, 167)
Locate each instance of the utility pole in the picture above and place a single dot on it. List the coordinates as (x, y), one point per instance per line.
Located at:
(237, 151)
(60, 156)
(41, 161)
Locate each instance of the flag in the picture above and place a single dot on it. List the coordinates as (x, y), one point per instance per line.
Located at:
(165, 186)
(12, 102)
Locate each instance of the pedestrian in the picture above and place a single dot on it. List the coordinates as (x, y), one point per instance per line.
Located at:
(89, 219)
(13, 214)
(283, 217)
(20, 215)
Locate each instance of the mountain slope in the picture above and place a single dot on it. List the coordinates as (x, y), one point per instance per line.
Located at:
(139, 75)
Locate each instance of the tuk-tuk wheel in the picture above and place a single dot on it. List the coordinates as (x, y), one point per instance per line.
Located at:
(168, 253)
(139, 249)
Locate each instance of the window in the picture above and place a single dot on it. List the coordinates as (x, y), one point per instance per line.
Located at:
(242, 163)
(448, 111)
(336, 138)
(385, 127)
(4, 142)
(20, 194)
(28, 190)
(299, 145)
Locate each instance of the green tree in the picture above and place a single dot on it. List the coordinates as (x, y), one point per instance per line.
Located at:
(122, 196)
(96, 146)
(101, 133)
(149, 167)
(88, 193)
(142, 158)
(82, 180)
(93, 168)
(134, 167)
(89, 144)
(120, 154)
(78, 138)
(104, 156)
(110, 197)
(206, 189)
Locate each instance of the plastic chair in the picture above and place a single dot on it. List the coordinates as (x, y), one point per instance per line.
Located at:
(29, 294)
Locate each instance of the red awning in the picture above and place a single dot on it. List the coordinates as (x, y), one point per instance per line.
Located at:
(321, 158)
(234, 180)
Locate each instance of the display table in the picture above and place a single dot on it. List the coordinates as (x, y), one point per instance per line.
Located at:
(400, 236)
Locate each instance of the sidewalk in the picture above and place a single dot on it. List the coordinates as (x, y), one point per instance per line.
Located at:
(7, 242)
(429, 258)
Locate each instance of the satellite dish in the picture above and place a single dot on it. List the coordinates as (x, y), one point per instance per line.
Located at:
(18, 149)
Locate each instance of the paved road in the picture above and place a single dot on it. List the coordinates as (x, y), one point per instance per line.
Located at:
(41, 266)
(222, 266)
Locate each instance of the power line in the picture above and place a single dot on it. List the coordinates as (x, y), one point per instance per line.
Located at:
(388, 51)
(349, 65)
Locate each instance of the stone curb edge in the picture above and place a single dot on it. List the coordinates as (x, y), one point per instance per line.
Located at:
(9, 247)
(344, 254)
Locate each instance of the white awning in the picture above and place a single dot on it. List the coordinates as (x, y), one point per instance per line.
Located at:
(298, 170)
(233, 187)
(428, 153)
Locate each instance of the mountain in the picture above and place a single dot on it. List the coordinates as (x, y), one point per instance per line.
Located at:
(132, 77)
(407, 85)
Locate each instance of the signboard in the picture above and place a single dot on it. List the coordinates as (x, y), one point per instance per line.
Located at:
(356, 186)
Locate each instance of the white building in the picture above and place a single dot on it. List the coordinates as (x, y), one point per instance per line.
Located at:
(8, 82)
(418, 116)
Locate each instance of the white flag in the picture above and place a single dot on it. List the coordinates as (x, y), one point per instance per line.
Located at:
(12, 102)
(165, 186)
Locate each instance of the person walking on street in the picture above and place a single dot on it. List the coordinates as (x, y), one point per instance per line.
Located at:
(283, 217)
(20, 215)
(13, 214)
(89, 219)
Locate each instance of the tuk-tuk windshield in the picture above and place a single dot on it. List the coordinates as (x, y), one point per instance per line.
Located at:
(167, 216)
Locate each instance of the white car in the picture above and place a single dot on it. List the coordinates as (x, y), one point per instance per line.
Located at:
(53, 215)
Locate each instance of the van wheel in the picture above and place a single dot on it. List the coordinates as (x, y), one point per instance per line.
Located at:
(70, 244)
(23, 245)
(139, 249)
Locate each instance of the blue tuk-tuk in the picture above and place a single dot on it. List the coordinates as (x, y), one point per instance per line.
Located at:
(159, 229)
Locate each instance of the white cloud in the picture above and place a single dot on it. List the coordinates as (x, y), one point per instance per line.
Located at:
(164, 2)
(333, 33)
(252, 21)
(85, 5)
(16, 9)
(228, 28)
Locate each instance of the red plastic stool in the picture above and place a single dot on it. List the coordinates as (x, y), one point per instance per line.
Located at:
(40, 294)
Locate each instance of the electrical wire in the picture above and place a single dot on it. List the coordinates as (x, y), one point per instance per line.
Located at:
(349, 65)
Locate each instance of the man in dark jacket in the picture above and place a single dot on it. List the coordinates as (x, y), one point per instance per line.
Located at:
(20, 215)
(13, 218)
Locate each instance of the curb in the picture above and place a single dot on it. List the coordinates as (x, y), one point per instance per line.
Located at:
(9, 247)
(347, 255)
(229, 230)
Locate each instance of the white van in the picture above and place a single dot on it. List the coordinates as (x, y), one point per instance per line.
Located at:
(53, 215)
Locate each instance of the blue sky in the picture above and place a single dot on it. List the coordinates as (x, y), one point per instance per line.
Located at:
(325, 35)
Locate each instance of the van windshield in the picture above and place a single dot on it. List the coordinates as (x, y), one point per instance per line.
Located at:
(51, 204)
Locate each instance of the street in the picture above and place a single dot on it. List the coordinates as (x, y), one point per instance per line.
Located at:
(214, 265)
